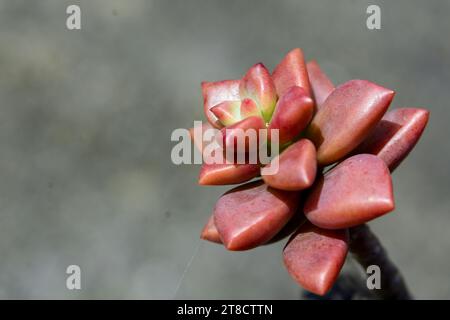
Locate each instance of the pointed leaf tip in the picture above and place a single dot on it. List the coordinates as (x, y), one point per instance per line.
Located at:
(252, 214)
(357, 190)
(294, 169)
(257, 85)
(314, 257)
(209, 232)
(396, 135)
(291, 71)
(227, 112)
(223, 174)
(347, 116)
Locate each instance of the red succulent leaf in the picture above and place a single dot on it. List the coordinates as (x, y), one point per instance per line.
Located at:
(227, 112)
(396, 135)
(258, 86)
(296, 167)
(357, 190)
(348, 115)
(217, 92)
(314, 257)
(291, 71)
(252, 214)
(223, 174)
(239, 135)
(321, 85)
(210, 232)
(292, 114)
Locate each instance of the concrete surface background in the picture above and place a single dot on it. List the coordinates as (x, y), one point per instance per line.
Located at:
(85, 124)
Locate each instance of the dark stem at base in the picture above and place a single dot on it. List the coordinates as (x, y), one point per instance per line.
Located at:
(367, 250)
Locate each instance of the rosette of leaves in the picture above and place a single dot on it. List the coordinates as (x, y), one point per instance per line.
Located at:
(339, 148)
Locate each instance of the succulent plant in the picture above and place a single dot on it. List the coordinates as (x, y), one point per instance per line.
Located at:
(319, 125)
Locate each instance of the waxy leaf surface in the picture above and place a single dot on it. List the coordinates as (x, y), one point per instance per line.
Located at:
(252, 214)
(357, 190)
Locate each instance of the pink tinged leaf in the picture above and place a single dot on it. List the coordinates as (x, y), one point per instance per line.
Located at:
(257, 85)
(223, 174)
(210, 232)
(348, 115)
(296, 167)
(396, 135)
(314, 257)
(199, 142)
(249, 108)
(356, 191)
(241, 134)
(227, 112)
(321, 85)
(252, 214)
(218, 92)
(291, 71)
(292, 114)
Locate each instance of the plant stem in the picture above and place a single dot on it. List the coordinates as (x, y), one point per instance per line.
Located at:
(367, 250)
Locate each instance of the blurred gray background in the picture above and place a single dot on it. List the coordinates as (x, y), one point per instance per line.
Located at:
(85, 124)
